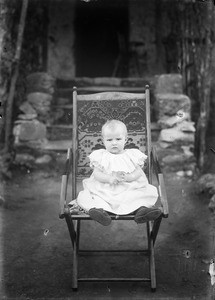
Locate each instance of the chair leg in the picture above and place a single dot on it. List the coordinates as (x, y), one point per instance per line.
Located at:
(70, 226)
(155, 228)
(151, 257)
(74, 231)
(75, 257)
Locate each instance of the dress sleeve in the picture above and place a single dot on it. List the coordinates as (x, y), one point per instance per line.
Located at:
(95, 159)
(137, 157)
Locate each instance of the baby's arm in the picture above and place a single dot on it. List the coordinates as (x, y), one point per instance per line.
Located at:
(103, 177)
(133, 175)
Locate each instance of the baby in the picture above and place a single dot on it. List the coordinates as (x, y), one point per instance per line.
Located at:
(118, 184)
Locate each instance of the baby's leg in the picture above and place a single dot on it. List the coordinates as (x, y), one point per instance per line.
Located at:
(145, 214)
(95, 207)
(86, 201)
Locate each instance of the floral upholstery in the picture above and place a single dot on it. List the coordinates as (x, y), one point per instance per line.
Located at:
(96, 110)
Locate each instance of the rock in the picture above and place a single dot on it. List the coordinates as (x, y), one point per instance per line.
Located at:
(211, 205)
(206, 183)
(40, 82)
(189, 173)
(172, 105)
(164, 145)
(27, 116)
(168, 122)
(45, 159)
(186, 126)
(175, 159)
(35, 144)
(24, 159)
(41, 102)
(175, 135)
(168, 83)
(29, 130)
(27, 108)
(187, 151)
(180, 173)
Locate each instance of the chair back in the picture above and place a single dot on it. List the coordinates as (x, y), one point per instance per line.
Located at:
(91, 111)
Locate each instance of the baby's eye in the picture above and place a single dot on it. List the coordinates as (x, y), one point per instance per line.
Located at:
(109, 140)
(119, 139)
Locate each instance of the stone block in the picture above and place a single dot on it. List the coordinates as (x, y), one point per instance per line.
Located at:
(175, 135)
(172, 105)
(41, 102)
(206, 183)
(168, 122)
(44, 159)
(40, 82)
(168, 83)
(186, 126)
(27, 108)
(177, 159)
(29, 131)
(27, 116)
(24, 159)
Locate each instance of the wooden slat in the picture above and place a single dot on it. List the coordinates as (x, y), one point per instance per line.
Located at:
(114, 96)
(114, 251)
(115, 279)
(114, 218)
(111, 89)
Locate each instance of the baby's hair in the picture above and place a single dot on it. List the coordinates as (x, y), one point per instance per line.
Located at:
(112, 125)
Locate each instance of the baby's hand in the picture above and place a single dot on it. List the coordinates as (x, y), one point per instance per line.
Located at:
(113, 180)
(120, 176)
(125, 176)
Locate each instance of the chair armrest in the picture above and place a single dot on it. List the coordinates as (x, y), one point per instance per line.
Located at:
(64, 185)
(63, 193)
(161, 184)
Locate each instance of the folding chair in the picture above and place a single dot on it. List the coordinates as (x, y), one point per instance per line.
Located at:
(90, 112)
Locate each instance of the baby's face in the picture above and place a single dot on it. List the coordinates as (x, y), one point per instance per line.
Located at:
(114, 141)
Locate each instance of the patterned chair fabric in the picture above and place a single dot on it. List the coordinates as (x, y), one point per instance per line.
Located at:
(95, 109)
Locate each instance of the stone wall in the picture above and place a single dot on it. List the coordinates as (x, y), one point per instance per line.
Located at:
(30, 127)
(172, 119)
(173, 112)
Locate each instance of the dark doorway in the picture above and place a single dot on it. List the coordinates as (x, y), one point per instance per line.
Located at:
(101, 44)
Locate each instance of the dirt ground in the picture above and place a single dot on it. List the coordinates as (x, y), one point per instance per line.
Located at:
(35, 248)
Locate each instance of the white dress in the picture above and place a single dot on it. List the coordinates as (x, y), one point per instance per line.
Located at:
(124, 197)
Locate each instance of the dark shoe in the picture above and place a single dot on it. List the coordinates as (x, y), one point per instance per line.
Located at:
(145, 214)
(99, 215)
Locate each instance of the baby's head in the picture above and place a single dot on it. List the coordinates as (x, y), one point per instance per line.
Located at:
(114, 135)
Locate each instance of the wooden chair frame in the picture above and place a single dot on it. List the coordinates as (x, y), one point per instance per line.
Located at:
(74, 221)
